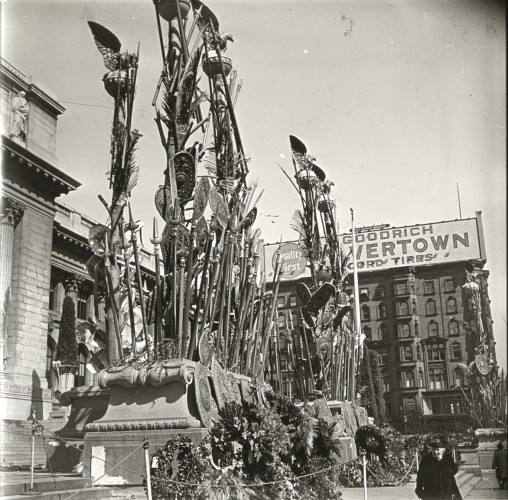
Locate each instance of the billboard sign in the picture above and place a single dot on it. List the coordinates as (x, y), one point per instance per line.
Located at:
(394, 247)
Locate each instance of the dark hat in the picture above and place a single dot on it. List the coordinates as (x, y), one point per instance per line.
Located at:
(437, 443)
(500, 445)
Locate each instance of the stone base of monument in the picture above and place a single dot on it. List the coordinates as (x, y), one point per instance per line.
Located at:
(117, 457)
(155, 403)
(488, 440)
(86, 405)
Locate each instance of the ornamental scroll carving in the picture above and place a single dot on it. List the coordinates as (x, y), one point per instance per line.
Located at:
(11, 211)
(181, 370)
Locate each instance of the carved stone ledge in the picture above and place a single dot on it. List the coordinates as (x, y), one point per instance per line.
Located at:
(161, 374)
(146, 425)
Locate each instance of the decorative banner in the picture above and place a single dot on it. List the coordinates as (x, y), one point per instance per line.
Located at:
(383, 247)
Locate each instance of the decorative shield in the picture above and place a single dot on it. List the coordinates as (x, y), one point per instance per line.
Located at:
(303, 292)
(203, 395)
(340, 425)
(234, 390)
(249, 219)
(182, 238)
(96, 237)
(246, 391)
(220, 384)
(328, 315)
(349, 418)
(185, 173)
(320, 297)
(204, 349)
(163, 202)
(201, 197)
(482, 364)
(219, 207)
(201, 233)
(308, 318)
(341, 312)
(323, 347)
(322, 410)
(361, 415)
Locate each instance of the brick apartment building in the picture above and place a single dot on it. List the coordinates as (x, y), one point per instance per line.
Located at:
(414, 313)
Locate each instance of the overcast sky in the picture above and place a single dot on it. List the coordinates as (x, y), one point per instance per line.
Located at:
(399, 100)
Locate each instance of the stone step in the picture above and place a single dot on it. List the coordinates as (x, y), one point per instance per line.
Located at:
(43, 485)
(467, 484)
(77, 494)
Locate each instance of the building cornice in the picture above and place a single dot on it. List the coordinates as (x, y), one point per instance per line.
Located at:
(11, 151)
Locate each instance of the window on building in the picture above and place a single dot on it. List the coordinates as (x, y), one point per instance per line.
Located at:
(459, 377)
(437, 378)
(409, 405)
(82, 312)
(365, 313)
(420, 378)
(404, 330)
(403, 308)
(385, 380)
(407, 353)
(364, 293)
(430, 307)
(367, 332)
(412, 288)
(417, 328)
(449, 286)
(428, 287)
(418, 352)
(433, 329)
(436, 352)
(401, 289)
(281, 301)
(388, 409)
(292, 301)
(453, 328)
(381, 311)
(451, 306)
(283, 343)
(382, 358)
(407, 379)
(4, 108)
(456, 351)
(383, 332)
(282, 320)
(381, 292)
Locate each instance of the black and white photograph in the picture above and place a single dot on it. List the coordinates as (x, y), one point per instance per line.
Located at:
(253, 249)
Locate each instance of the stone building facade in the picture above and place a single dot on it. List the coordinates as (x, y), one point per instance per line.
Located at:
(44, 250)
(417, 317)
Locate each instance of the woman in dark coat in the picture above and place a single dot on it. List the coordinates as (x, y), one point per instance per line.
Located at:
(436, 475)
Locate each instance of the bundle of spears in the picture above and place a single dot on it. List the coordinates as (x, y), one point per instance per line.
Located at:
(209, 298)
(325, 350)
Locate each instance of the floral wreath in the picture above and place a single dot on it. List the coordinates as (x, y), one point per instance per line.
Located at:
(371, 439)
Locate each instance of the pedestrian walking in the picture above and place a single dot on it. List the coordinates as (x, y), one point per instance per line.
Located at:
(500, 463)
(436, 474)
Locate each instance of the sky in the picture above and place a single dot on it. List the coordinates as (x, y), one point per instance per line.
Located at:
(400, 101)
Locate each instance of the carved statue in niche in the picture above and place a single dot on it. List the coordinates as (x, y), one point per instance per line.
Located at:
(19, 117)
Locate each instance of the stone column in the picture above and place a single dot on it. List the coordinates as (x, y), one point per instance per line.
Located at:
(11, 212)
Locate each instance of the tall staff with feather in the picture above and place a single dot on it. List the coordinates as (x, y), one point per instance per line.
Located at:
(120, 83)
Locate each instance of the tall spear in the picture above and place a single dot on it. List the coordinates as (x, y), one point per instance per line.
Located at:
(133, 226)
(156, 241)
(358, 327)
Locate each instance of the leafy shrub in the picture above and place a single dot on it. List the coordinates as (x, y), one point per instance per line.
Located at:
(67, 346)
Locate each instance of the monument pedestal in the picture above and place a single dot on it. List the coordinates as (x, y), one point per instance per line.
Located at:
(153, 402)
